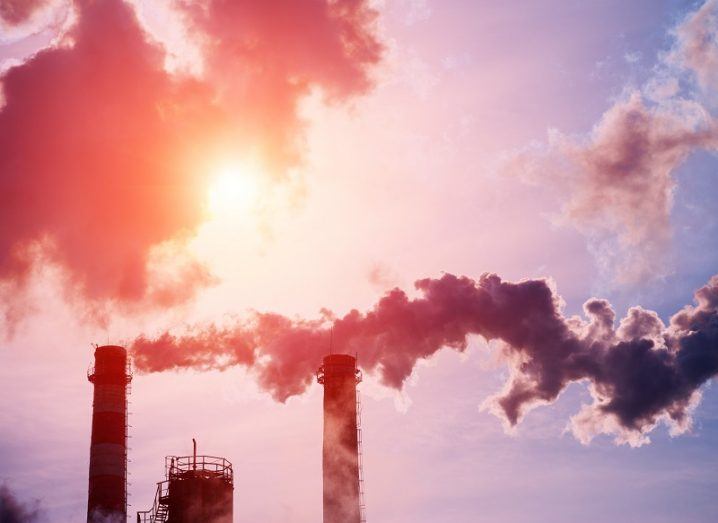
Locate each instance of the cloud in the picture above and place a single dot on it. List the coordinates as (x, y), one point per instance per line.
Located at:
(265, 57)
(696, 47)
(95, 140)
(639, 374)
(14, 12)
(621, 179)
(617, 182)
(105, 154)
(14, 511)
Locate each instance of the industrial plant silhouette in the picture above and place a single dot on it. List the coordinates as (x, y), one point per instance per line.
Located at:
(199, 488)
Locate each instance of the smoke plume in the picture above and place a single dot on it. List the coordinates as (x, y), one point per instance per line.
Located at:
(619, 180)
(639, 373)
(14, 12)
(14, 511)
(105, 154)
(697, 45)
(264, 57)
(91, 142)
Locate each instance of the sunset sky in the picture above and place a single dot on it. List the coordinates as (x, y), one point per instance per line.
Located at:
(175, 169)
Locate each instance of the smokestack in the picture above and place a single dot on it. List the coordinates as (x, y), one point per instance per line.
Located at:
(107, 493)
(340, 452)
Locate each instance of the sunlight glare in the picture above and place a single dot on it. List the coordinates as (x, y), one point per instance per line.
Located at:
(235, 189)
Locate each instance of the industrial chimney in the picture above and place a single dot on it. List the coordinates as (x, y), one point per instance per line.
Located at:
(340, 452)
(107, 493)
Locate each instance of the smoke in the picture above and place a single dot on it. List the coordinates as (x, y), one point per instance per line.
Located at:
(621, 180)
(639, 374)
(101, 516)
(618, 182)
(14, 511)
(94, 146)
(697, 45)
(106, 154)
(265, 57)
(14, 12)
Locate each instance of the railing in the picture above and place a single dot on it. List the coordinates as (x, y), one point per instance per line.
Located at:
(177, 466)
(322, 372)
(153, 515)
(128, 372)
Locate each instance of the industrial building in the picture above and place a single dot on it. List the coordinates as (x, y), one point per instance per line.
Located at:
(196, 489)
(199, 488)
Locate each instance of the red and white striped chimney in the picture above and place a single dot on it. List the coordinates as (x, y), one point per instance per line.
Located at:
(107, 493)
(340, 452)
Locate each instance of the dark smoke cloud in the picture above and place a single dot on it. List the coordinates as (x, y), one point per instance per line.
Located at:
(15, 12)
(639, 374)
(105, 155)
(14, 511)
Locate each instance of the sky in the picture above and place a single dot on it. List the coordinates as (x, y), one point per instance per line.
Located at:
(173, 177)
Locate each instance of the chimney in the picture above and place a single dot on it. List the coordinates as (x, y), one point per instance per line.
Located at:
(340, 452)
(107, 493)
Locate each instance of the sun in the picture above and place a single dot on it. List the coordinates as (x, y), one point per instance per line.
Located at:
(234, 190)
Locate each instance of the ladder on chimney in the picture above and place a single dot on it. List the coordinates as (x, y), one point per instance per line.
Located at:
(362, 505)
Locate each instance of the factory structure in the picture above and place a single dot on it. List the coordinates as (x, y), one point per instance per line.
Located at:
(196, 489)
(107, 491)
(341, 465)
(199, 488)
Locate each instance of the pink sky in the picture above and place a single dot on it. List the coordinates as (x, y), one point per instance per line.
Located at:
(391, 170)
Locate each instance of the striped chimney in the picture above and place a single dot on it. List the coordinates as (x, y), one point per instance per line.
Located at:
(107, 493)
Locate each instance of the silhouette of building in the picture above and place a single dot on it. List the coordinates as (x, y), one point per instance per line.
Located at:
(196, 489)
(107, 492)
(341, 464)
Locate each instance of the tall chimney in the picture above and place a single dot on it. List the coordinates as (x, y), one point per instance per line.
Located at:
(340, 456)
(107, 493)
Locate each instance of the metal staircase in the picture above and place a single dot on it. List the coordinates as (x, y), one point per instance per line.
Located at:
(160, 507)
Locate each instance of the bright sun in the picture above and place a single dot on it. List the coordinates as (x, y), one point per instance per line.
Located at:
(234, 189)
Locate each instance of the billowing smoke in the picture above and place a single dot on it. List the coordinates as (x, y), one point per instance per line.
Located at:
(621, 180)
(105, 154)
(265, 57)
(14, 511)
(618, 181)
(101, 516)
(15, 12)
(639, 373)
(697, 45)
(94, 146)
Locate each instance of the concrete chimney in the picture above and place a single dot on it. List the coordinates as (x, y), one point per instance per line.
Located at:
(107, 493)
(340, 452)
